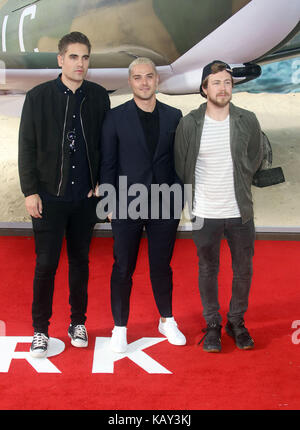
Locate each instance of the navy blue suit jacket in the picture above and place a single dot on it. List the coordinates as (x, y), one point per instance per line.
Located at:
(124, 150)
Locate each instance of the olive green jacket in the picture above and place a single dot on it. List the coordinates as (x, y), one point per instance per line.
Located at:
(246, 143)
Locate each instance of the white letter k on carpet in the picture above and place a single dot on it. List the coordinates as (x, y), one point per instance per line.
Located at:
(104, 358)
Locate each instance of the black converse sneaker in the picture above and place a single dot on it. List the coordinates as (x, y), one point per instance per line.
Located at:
(78, 335)
(39, 346)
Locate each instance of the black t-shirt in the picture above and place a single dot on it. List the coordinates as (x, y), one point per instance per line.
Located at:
(150, 125)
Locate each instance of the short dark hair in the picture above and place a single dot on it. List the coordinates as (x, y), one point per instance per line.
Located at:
(74, 37)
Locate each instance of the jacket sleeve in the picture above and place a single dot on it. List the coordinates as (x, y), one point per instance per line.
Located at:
(176, 178)
(107, 102)
(108, 151)
(255, 147)
(27, 152)
(180, 150)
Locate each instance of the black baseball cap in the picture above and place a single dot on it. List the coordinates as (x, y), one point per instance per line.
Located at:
(207, 71)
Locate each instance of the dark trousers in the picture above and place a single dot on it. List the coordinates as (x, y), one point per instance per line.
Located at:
(240, 238)
(161, 235)
(75, 220)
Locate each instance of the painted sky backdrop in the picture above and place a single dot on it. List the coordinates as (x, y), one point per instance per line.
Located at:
(279, 77)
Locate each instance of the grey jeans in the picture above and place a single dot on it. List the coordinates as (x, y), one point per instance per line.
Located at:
(240, 238)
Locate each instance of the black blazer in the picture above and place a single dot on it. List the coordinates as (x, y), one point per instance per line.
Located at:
(124, 150)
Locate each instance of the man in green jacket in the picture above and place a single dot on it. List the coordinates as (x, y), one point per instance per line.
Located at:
(218, 149)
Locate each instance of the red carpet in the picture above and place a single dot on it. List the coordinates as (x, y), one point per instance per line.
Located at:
(186, 378)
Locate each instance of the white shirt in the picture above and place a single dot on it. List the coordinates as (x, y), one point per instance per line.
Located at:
(214, 183)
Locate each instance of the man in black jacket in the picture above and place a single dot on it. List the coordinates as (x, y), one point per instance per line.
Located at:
(58, 166)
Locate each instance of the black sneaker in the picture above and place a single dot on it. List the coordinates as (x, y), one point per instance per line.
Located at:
(212, 337)
(39, 345)
(78, 335)
(240, 334)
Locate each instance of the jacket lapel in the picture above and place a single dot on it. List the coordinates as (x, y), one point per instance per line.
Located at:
(163, 127)
(233, 130)
(199, 115)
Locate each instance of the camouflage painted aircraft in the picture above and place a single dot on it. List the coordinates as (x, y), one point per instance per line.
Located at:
(180, 36)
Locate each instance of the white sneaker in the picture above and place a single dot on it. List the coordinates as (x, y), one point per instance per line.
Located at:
(118, 341)
(171, 331)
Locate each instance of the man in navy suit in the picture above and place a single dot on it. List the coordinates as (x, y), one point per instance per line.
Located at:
(137, 153)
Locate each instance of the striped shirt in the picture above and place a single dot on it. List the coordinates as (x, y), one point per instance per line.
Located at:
(214, 184)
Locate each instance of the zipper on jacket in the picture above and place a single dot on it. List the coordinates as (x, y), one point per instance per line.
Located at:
(87, 150)
(62, 148)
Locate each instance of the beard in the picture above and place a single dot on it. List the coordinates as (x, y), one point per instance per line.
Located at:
(221, 102)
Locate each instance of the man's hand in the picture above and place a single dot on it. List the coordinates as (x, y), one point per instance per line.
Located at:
(34, 205)
(97, 191)
(97, 194)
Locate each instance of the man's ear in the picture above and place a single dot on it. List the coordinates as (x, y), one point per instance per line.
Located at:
(60, 60)
(129, 81)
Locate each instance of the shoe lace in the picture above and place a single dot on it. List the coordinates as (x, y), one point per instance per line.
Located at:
(210, 327)
(80, 331)
(39, 340)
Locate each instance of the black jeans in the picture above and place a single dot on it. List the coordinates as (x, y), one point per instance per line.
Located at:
(75, 220)
(127, 235)
(240, 238)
